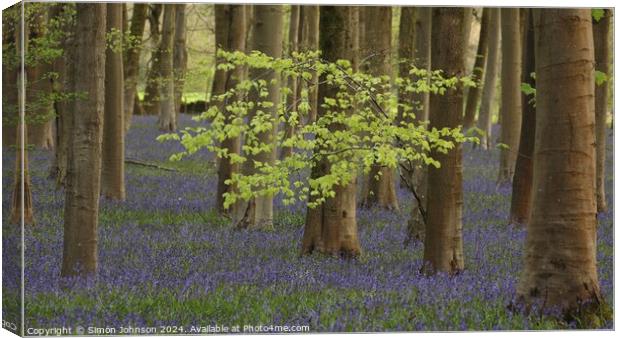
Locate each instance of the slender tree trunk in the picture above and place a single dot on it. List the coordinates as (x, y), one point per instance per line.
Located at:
(58, 169)
(490, 77)
(132, 60)
(511, 94)
(167, 115)
(422, 55)
(601, 54)
(113, 148)
(309, 41)
(331, 227)
(22, 181)
(151, 102)
(38, 89)
(10, 111)
(521, 204)
(267, 38)
(293, 81)
(443, 246)
(180, 56)
(473, 94)
(84, 155)
(230, 32)
(560, 251)
(381, 180)
(406, 39)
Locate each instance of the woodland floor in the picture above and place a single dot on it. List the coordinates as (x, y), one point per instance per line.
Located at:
(167, 259)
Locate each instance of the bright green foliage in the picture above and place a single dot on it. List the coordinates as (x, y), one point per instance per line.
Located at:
(598, 14)
(600, 77)
(354, 131)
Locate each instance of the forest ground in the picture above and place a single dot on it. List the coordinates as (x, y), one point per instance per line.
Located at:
(166, 258)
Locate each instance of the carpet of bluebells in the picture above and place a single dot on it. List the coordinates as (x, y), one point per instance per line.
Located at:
(166, 258)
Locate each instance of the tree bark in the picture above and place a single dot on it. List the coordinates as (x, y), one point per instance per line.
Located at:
(601, 54)
(560, 251)
(113, 148)
(485, 117)
(180, 56)
(132, 60)
(511, 94)
(331, 227)
(406, 39)
(309, 41)
(293, 81)
(84, 155)
(381, 180)
(422, 55)
(473, 94)
(267, 38)
(38, 89)
(10, 111)
(151, 102)
(443, 246)
(21, 209)
(167, 114)
(230, 33)
(521, 203)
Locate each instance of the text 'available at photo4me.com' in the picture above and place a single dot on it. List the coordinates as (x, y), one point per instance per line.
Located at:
(151, 330)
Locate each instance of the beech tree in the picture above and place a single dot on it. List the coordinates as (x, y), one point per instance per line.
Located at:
(267, 38)
(230, 35)
(511, 94)
(485, 117)
(84, 155)
(131, 60)
(601, 30)
(473, 94)
(167, 115)
(151, 102)
(293, 82)
(443, 244)
(381, 188)
(113, 148)
(309, 41)
(521, 202)
(179, 59)
(560, 251)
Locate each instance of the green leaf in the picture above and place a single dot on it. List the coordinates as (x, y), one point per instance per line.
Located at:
(600, 77)
(598, 14)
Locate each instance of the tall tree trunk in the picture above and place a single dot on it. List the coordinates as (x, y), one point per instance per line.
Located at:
(22, 184)
(443, 246)
(167, 115)
(131, 66)
(406, 38)
(38, 89)
(601, 54)
(21, 204)
(267, 38)
(473, 94)
(422, 55)
(381, 180)
(309, 41)
(84, 155)
(58, 169)
(293, 81)
(151, 102)
(180, 56)
(485, 117)
(10, 111)
(113, 148)
(230, 34)
(511, 94)
(331, 227)
(521, 204)
(560, 251)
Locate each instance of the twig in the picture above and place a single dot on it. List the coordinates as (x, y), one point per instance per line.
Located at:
(147, 164)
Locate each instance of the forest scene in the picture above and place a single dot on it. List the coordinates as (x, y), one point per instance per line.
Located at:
(196, 168)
